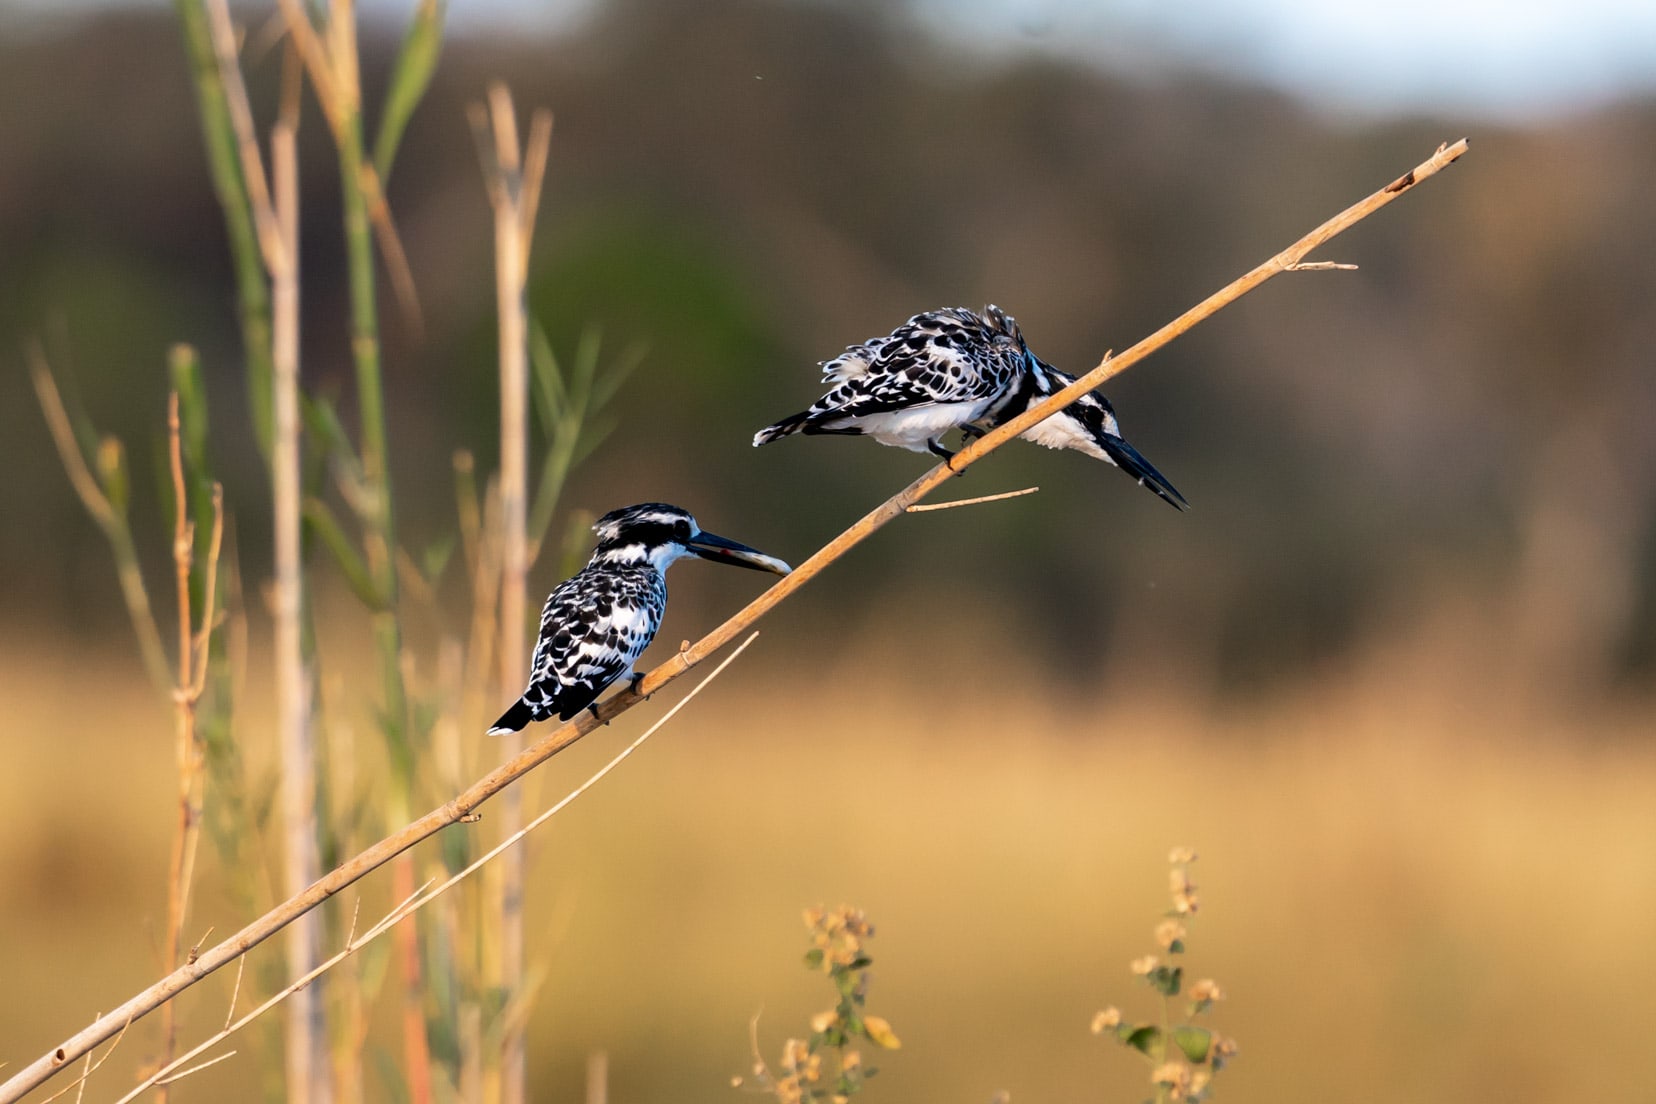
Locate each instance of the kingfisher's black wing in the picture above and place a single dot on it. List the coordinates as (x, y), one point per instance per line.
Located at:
(593, 627)
(943, 356)
(937, 358)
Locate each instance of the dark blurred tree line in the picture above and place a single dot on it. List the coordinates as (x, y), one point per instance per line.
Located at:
(747, 187)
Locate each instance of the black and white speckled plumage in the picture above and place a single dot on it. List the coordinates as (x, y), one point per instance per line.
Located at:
(958, 369)
(938, 371)
(597, 623)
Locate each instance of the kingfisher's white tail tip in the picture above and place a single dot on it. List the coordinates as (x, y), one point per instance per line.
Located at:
(515, 719)
(792, 424)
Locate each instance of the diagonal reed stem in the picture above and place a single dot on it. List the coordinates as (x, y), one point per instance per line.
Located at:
(549, 745)
(429, 892)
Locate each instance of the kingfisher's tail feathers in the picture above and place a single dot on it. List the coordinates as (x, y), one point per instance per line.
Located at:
(564, 703)
(515, 719)
(1129, 460)
(575, 698)
(792, 424)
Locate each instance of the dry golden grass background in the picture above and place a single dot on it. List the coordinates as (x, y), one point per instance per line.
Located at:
(1412, 889)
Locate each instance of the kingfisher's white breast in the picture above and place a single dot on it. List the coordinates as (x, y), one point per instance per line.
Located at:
(912, 428)
(1063, 432)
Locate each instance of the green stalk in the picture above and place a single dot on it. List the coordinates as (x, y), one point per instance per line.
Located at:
(230, 814)
(184, 370)
(379, 522)
(224, 165)
(410, 77)
(365, 351)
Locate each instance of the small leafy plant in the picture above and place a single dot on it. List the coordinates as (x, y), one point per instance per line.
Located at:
(1183, 1054)
(827, 1067)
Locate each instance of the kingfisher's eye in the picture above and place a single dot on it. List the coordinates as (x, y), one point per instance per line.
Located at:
(681, 530)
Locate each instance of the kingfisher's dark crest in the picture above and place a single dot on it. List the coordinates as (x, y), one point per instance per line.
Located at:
(597, 623)
(958, 369)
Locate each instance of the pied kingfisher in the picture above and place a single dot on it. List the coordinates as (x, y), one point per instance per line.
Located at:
(597, 622)
(958, 369)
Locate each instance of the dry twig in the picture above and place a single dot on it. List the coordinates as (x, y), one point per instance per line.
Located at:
(182, 1074)
(552, 743)
(919, 509)
(187, 690)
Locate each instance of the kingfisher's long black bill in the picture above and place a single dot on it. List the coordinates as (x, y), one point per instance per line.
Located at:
(711, 546)
(1127, 458)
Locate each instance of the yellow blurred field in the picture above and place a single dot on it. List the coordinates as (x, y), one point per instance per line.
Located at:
(1410, 892)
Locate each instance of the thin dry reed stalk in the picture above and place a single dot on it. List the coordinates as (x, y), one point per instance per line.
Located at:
(190, 679)
(331, 60)
(513, 179)
(307, 1032)
(464, 805)
(978, 501)
(597, 1078)
(274, 206)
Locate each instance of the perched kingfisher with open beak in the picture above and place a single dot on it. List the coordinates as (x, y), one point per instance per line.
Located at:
(957, 369)
(598, 622)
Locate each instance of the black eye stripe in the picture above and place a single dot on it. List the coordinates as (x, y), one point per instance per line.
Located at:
(652, 534)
